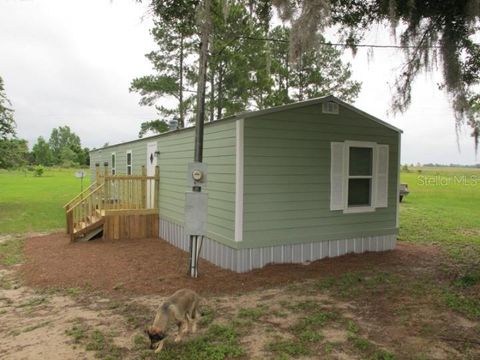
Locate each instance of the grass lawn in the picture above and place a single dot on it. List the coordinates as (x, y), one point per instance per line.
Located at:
(29, 203)
(443, 208)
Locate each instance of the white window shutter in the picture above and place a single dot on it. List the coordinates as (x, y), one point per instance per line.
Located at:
(337, 176)
(381, 176)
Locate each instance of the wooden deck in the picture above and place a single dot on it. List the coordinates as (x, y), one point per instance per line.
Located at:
(118, 206)
(131, 225)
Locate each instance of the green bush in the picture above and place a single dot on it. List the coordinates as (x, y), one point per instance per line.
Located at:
(38, 170)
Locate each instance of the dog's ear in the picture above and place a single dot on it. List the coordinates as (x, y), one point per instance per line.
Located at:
(147, 330)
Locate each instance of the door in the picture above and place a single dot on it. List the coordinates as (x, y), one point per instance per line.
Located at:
(151, 163)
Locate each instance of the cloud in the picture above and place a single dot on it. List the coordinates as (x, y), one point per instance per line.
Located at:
(71, 63)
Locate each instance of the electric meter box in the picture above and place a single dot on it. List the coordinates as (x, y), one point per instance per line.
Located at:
(196, 210)
(197, 174)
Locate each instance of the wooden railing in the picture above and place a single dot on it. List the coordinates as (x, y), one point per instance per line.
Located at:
(86, 212)
(128, 192)
(80, 196)
(112, 193)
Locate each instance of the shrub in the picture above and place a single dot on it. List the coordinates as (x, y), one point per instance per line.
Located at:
(38, 170)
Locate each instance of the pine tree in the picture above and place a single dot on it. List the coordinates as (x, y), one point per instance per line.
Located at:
(249, 66)
(7, 123)
(175, 72)
(318, 72)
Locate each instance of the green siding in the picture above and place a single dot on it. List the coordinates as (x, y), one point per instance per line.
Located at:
(287, 177)
(139, 157)
(176, 151)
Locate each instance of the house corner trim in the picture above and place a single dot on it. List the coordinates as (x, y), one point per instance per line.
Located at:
(239, 137)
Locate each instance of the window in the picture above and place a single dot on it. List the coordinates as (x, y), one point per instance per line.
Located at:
(129, 162)
(359, 176)
(114, 158)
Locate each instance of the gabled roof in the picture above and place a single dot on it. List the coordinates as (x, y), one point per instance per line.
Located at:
(249, 114)
(319, 100)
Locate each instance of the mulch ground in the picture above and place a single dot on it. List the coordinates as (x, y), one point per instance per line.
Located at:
(152, 266)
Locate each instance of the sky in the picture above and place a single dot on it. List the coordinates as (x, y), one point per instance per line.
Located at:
(70, 62)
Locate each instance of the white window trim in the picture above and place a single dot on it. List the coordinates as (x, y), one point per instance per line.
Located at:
(113, 169)
(346, 164)
(126, 162)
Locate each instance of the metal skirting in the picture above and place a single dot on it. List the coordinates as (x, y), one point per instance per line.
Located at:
(242, 260)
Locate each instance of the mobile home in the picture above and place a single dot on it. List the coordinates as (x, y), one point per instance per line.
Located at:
(289, 184)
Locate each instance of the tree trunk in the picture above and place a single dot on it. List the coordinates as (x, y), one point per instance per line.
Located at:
(220, 92)
(181, 107)
(287, 66)
(202, 79)
(212, 94)
(300, 79)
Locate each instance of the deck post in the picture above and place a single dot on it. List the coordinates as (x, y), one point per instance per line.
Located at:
(144, 187)
(105, 169)
(156, 205)
(69, 222)
(107, 185)
(97, 173)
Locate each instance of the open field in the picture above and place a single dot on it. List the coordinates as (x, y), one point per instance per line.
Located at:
(420, 301)
(443, 209)
(33, 204)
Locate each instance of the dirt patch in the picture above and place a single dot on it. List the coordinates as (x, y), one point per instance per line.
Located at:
(42, 325)
(34, 325)
(335, 335)
(152, 266)
(469, 232)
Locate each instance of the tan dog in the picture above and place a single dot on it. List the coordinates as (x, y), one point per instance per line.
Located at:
(182, 308)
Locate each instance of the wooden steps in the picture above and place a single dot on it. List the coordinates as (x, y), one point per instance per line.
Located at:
(87, 230)
(123, 206)
(90, 235)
